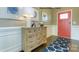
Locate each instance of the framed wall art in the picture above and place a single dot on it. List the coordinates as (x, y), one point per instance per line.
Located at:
(44, 16)
(12, 10)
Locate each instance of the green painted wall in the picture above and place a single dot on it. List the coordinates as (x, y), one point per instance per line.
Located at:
(48, 11)
(52, 16)
(75, 15)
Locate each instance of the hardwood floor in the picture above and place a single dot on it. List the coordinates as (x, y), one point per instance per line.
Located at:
(52, 39)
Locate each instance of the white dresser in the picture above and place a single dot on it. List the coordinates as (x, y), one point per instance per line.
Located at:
(33, 37)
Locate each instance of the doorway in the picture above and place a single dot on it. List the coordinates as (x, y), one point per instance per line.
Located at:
(64, 24)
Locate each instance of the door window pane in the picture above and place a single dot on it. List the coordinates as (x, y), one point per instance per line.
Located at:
(64, 16)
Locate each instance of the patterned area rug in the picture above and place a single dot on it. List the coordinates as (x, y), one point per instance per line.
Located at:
(59, 45)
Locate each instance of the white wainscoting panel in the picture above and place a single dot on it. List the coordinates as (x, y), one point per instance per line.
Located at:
(10, 39)
(54, 30)
(75, 33)
(51, 30)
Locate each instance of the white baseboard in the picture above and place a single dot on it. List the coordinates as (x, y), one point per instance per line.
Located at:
(14, 48)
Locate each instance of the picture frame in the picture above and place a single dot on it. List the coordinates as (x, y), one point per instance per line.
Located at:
(12, 10)
(44, 16)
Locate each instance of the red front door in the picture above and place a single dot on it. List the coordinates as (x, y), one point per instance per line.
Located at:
(64, 24)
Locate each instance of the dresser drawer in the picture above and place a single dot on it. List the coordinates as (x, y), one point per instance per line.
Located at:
(31, 36)
(29, 30)
(31, 42)
(32, 45)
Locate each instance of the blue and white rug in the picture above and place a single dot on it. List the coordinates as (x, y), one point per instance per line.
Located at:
(59, 45)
